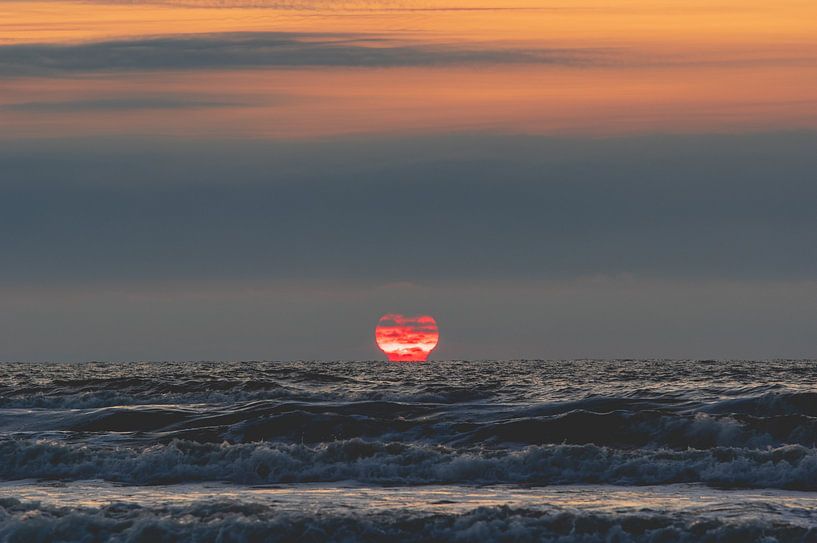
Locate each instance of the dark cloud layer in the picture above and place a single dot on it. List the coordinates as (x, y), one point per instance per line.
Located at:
(437, 208)
(264, 49)
(117, 104)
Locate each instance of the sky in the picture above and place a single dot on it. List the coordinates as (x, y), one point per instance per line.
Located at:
(264, 179)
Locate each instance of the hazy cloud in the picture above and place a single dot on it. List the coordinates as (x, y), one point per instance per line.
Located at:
(266, 49)
(434, 208)
(117, 104)
(302, 320)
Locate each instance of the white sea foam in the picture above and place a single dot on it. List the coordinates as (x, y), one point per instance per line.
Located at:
(237, 522)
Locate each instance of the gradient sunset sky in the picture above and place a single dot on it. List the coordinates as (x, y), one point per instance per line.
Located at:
(263, 179)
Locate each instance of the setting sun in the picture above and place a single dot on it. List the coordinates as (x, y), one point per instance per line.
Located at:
(407, 339)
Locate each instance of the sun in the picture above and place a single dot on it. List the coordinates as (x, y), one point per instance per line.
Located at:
(406, 339)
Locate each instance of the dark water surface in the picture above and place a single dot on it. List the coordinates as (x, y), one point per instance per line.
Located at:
(624, 450)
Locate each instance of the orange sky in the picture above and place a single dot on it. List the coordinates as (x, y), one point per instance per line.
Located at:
(695, 24)
(715, 66)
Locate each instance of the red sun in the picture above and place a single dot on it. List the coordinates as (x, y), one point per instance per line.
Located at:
(406, 339)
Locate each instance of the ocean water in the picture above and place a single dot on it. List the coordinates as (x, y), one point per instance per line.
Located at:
(568, 451)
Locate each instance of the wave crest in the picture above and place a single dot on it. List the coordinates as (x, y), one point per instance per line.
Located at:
(790, 467)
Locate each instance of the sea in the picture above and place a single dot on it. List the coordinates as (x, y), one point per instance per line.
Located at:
(467, 451)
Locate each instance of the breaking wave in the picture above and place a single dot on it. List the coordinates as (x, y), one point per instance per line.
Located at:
(240, 522)
(789, 467)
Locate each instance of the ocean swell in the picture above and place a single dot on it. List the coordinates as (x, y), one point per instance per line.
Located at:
(427, 423)
(790, 467)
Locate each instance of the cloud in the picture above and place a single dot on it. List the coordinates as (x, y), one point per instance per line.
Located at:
(295, 320)
(432, 208)
(117, 104)
(265, 49)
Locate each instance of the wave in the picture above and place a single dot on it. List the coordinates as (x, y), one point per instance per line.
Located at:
(245, 522)
(653, 429)
(765, 405)
(641, 426)
(594, 385)
(788, 467)
(109, 394)
(434, 424)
